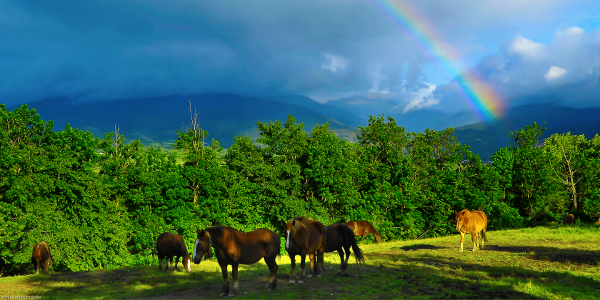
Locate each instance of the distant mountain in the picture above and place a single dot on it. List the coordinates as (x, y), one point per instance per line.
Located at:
(486, 139)
(373, 104)
(339, 114)
(155, 120)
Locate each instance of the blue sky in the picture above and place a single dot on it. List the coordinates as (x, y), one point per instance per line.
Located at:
(101, 50)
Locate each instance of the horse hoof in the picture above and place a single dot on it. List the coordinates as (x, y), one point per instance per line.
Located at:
(461, 250)
(309, 275)
(318, 275)
(300, 281)
(292, 281)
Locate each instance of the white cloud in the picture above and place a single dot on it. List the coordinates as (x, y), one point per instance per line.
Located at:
(554, 73)
(423, 98)
(524, 46)
(573, 31)
(334, 62)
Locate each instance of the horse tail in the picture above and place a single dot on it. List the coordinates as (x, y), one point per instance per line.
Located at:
(349, 235)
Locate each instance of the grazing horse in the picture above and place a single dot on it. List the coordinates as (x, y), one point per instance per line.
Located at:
(569, 219)
(340, 237)
(169, 245)
(305, 236)
(471, 222)
(233, 247)
(363, 228)
(41, 255)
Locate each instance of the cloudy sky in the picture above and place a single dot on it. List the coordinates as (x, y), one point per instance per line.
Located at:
(98, 50)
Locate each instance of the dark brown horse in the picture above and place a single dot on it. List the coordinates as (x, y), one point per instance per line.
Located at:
(169, 245)
(363, 228)
(233, 247)
(41, 255)
(472, 222)
(341, 238)
(305, 236)
(569, 219)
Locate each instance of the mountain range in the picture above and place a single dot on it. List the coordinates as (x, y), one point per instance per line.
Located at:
(155, 121)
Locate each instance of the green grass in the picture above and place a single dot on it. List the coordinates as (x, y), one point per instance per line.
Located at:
(553, 262)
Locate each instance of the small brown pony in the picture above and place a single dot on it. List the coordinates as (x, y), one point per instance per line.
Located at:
(41, 255)
(233, 247)
(363, 228)
(569, 219)
(341, 238)
(472, 222)
(169, 245)
(305, 236)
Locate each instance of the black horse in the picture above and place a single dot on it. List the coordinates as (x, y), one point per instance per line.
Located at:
(341, 238)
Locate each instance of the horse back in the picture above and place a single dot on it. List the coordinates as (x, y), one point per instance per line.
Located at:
(171, 245)
(479, 219)
(41, 251)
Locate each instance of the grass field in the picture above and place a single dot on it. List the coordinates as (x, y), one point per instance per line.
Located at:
(555, 262)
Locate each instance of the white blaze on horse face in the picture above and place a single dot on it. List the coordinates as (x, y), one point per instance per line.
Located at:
(287, 241)
(195, 247)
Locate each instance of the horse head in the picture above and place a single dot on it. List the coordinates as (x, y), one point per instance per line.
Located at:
(462, 219)
(292, 228)
(202, 246)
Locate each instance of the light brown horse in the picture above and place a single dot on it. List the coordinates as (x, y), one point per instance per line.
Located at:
(341, 238)
(363, 228)
(41, 256)
(305, 236)
(472, 222)
(169, 245)
(233, 247)
(569, 219)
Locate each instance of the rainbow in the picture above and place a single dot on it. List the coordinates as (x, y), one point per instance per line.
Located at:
(480, 96)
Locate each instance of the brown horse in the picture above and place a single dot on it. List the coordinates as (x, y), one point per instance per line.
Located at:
(41, 255)
(363, 228)
(471, 222)
(233, 247)
(569, 219)
(169, 245)
(340, 237)
(305, 236)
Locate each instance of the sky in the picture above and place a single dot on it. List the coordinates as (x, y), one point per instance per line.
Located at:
(412, 52)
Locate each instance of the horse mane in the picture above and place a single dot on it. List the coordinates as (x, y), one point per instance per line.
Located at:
(375, 232)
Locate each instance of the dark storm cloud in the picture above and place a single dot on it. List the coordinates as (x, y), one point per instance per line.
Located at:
(97, 50)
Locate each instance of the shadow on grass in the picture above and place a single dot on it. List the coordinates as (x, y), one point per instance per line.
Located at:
(419, 247)
(559, 284)
(374, 280)
(574, 256)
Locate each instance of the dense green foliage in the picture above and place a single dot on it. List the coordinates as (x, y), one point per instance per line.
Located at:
(103, 202)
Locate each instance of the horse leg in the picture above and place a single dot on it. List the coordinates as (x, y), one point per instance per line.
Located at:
(272, 280)
(159, 263)
(341, 270)
(364, 235)
(225, 290)
(176, 261)
(483, 238)
(170, 258)
(313, 265)
(234, 275)
(347, 258)
(462, 240)
(474, 237)
(302, 263)
(319, 268)
(293, 264)
(37, 270)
